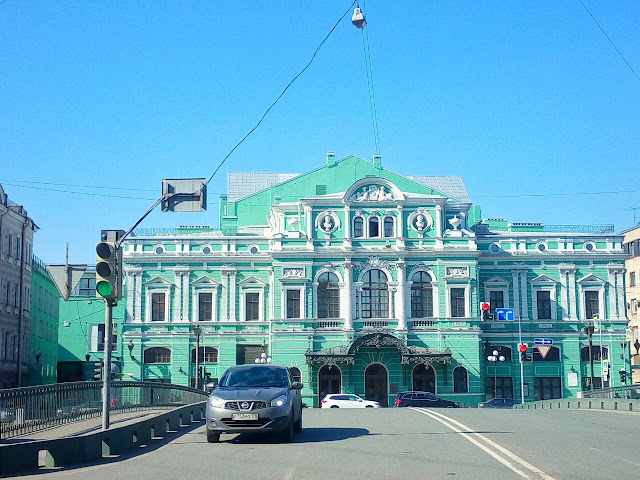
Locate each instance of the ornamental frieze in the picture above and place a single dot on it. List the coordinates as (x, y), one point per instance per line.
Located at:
(372, 193)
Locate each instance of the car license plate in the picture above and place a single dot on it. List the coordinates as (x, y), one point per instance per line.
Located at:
(244, 416)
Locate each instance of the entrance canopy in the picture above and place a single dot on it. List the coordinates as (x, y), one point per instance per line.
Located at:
(410, 354)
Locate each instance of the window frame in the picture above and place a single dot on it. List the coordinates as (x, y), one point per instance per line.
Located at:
(150, 307)
(375, 293)
(290, 303)
(451, 299)
(156, 351)
(466, 378)
(359, 219)
(330, 298)
(245, 305)
(393, 226)
(423, 294)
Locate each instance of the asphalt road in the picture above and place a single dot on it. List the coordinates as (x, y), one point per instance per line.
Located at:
(400, 444)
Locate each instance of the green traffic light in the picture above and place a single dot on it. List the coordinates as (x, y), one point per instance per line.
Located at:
(104, 289)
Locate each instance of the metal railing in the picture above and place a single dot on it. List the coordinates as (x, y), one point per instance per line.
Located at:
(631, 392)
(29, 409)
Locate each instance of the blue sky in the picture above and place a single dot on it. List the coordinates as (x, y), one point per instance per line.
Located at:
(517, 97)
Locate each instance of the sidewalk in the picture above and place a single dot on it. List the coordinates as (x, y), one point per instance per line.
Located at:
(81, 427)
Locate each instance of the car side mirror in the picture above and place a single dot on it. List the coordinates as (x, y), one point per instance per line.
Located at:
(296, 385)
(210, 387)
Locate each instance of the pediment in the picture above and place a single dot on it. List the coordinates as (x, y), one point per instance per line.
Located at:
(497, 280)
(252, 281)
(591, 278)
(158, 282)
(543, 279)
(204, 282)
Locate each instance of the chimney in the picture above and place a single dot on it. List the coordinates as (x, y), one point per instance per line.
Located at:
(331, 159)
(377, 160)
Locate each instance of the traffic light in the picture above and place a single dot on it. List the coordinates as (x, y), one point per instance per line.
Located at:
(97, 370)
(485, 307)
(108, 270)
(623, 377)
(522, 348)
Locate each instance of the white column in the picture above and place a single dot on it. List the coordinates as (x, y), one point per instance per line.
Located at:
(401, 296)
(516, 292)
(611, 292)
(346, 297)
(439, 215)
(308, 221)
(130, 296)
(400, 230)
(347, 221)
(177, 298)
(564, 300)
(525, 298)
(272, 294)
(185, 297)
(573, 304)
(622, 306)
(137, 303)
(225, 297)
(232, 296)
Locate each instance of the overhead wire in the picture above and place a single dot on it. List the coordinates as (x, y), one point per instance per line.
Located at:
(610, 41)
(281, 93)
(369, 72)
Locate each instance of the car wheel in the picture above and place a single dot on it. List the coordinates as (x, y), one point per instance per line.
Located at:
(334, 406)
(297, 427)
(213, 437)
(368, 406)
(287, 433)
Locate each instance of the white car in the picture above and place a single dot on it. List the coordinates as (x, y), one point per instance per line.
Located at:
(341, 400)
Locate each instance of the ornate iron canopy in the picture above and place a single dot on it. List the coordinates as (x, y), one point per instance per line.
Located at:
(410, 354)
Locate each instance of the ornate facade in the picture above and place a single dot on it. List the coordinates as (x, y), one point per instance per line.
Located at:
(366, 281)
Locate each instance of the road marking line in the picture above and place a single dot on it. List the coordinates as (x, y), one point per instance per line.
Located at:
(490, 443)
(476, 443)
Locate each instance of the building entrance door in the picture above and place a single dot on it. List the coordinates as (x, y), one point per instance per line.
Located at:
(424, 378)
(329, 380)
(376, 384)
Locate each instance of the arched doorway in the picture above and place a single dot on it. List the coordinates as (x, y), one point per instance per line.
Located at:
(329, 380)
(376, 383)
(424, 378)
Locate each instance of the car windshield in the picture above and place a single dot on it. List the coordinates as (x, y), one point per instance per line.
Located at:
(256, 376)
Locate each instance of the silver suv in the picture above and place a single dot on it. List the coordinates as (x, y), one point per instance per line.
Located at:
(255, 398)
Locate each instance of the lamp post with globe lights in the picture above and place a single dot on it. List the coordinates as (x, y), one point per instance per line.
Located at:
(494, 358)
(263, 358)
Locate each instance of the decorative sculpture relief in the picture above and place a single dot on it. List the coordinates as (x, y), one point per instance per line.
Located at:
(458, 271)
(421, 220)
(372, 193)
(293, 272)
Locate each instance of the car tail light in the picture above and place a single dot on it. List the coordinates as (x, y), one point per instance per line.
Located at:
(324, 401)
(398, 401)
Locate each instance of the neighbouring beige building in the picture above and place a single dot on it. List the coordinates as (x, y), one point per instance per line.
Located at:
(632, 264)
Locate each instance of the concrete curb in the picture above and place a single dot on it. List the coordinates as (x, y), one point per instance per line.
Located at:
(62, 452)
(621, 404)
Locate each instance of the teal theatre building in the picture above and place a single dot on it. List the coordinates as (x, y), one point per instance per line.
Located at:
(365, 281)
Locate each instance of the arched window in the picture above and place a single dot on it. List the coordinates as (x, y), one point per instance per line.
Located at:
(388, 227)
(358, 227)
(460, 383)
(595, 353)
(553, 355)
(375, 295)
(205, 355)
(374, 227)
(424, 378)
(328, 296)
(157, 355)
(421, 295)
(296, 374)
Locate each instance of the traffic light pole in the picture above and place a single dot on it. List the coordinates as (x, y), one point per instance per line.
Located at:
(106, 364)
(521, 362)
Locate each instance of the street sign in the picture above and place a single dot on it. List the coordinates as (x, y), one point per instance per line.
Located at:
(605, 368)
(543, 341)
(505, 314)
(66, 277)
(544, 350)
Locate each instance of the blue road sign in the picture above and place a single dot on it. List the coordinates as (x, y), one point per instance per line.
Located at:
(505, 314)
(543, 341)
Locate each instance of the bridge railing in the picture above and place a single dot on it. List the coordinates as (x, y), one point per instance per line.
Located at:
(626, 391)
(29, 409)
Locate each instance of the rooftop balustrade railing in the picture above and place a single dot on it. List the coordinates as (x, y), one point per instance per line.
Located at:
(29, 409)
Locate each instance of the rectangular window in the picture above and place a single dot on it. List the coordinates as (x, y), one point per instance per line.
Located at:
(205, 307)
(293, 303)
(246, 354)
(457, 302)
(496, 299)
(591, 304)
(252, 306)
(544, 304)
(87, 287)
(358, 227)
(157, 307)
(632, 279)
(546, 388)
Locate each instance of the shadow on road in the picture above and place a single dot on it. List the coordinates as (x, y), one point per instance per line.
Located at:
(308, 435)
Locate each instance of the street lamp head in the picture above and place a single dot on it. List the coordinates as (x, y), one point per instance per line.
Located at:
(130, 346)
(502, 358)
(491, 358)
(263, 355)
(197, 331)
(495, 353)
(257, 360)
(268, 359)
